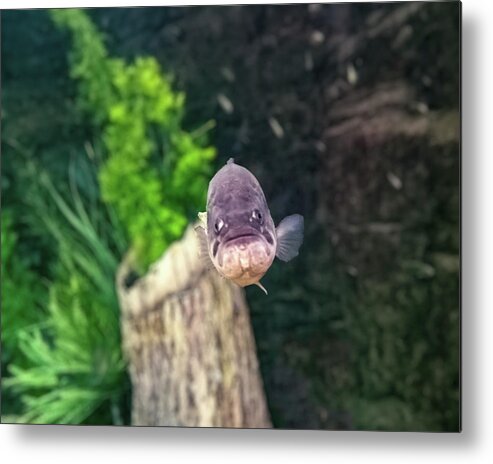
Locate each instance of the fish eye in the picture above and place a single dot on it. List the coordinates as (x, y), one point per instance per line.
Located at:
(218, 225)
(256, 214)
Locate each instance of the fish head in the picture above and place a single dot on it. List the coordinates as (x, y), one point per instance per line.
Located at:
(241, 233)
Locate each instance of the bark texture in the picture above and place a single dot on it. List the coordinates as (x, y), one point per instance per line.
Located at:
(190, 346)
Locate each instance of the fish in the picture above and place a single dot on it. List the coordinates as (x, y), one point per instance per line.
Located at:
(237, 236)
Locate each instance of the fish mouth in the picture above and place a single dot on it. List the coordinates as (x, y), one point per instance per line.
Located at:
(241, 239)
(245, 255)
(244, 235)
(242, 242)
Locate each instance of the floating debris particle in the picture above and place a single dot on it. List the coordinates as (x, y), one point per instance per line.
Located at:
(314, 8)
(402, 37)
(351, 74)
(447, 262)
(421, 107)
(320, 146)
(225, 103)
(352, 271)
(394, 180)
(426, 80)
(228, 74)
(308, 61)
(276, 127)
(317, 37)
(420, 269)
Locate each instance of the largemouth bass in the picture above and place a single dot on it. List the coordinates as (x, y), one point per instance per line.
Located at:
(237, 235)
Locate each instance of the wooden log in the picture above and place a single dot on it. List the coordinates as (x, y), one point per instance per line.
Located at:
(189, 343)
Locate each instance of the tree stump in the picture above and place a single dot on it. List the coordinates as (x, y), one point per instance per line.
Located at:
(189, 344)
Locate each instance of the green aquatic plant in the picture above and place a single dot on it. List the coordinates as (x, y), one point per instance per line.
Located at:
(74, 365)
(23, 293)
(155, 174)
(150, 182)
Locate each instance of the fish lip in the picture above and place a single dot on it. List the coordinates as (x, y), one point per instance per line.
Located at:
(242, 235)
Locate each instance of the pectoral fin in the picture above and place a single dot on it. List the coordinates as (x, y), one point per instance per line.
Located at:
(203, 219)
(258, 284)
(289, 237)
(203, 248)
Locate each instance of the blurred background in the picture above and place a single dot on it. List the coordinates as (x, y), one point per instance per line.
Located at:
(113, 122)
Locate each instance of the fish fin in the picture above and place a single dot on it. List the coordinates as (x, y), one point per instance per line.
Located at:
(203, 220)
(231, 161)
(289, 237)
(203, 249)
(258, 284)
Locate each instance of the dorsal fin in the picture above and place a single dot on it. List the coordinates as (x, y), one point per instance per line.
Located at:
(231, 161)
